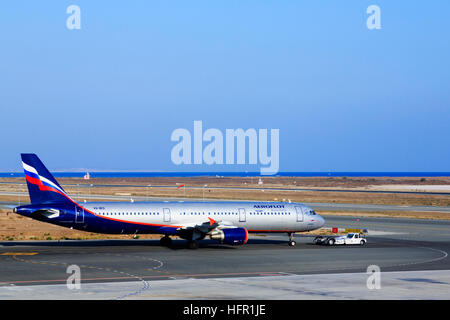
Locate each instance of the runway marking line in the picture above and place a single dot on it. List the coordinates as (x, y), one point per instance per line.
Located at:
(184, 276)
(56, 264)
(18, 253)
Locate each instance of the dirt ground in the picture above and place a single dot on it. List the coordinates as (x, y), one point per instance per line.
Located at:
(392, 214)
(157, 189)
(310, 182)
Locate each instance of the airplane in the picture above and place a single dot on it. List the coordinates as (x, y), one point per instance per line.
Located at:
(227, 222)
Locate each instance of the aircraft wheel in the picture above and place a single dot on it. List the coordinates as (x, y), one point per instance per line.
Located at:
(193, 244)
(292, 243)
(165, 241)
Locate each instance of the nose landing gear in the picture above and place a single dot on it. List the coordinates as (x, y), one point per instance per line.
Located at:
(291, 242)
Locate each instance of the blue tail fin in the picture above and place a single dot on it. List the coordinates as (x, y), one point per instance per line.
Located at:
(42, 186)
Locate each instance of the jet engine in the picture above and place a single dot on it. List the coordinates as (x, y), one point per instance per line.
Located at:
(233, 236)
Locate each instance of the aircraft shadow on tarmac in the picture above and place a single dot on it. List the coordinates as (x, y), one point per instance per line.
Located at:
(176, 244)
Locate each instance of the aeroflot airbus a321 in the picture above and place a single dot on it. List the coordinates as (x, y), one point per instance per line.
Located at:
(227, 222)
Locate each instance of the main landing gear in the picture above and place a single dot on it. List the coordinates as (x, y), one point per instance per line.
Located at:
(166, 241)
(192, 244)
(291, 239)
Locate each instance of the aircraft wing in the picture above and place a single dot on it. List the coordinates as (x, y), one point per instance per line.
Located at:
(212, 228)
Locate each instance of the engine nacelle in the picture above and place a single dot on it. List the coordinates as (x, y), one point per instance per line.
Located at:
(233, 236)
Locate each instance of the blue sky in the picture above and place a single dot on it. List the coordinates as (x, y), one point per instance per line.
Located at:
(108, 96)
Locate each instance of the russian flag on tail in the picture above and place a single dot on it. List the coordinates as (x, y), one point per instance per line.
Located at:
(42, 186)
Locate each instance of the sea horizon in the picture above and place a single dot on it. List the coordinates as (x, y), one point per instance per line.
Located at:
(148, 174)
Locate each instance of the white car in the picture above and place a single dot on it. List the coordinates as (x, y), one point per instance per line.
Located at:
(351, 238)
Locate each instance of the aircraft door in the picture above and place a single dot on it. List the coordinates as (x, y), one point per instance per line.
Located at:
(79, 214)
(242, 216)
(166, 213)
(299, 212)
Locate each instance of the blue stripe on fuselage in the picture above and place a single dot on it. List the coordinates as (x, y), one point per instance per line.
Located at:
(95, 223)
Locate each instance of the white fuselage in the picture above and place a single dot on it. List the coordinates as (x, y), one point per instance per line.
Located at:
(254, 216)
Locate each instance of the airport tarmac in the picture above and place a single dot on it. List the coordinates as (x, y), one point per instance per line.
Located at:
(141, 269)
(410, 285)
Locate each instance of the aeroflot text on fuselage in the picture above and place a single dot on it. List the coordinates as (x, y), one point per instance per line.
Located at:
(213, 153)
(268, 206)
